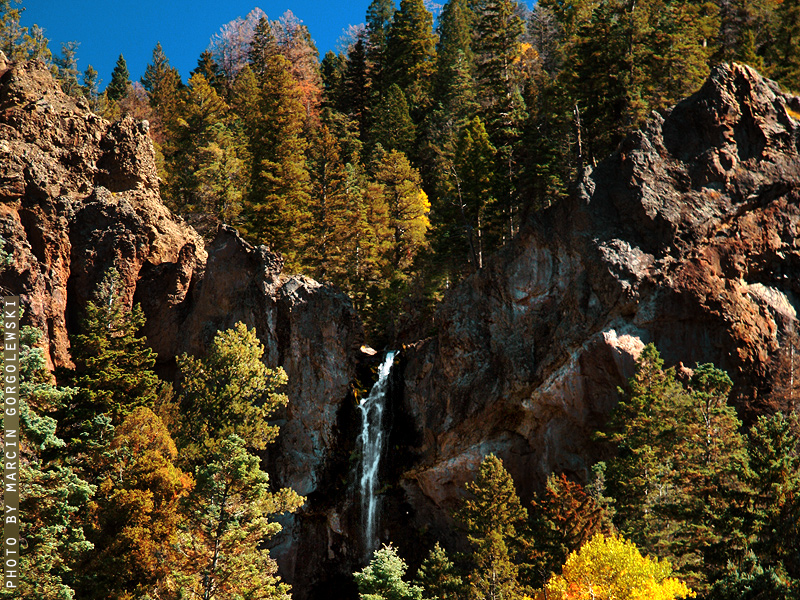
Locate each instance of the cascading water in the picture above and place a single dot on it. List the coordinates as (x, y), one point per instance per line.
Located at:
(371, 446)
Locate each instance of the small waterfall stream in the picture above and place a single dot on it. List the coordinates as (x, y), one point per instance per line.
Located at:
(372, 408)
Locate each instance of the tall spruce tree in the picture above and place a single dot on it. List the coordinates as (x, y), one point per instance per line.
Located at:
(277, 211)
(120, 80)
(411, 54)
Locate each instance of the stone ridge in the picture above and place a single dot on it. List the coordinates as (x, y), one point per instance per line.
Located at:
(687, 236)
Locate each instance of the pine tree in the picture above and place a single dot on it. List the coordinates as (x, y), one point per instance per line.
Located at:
(67, 73)
(493, 507)
(18, 42)
(228, 516)
(495, 574)
(208, 68)
(475, 171)
(411, 54)
(382, 578)
(229, 391)
(52, 496)
(277, 211)
(393, 128)
(379, 19)
(497, 47)
(164, 86)
(120, 80)
(114, 367)
(438, 578)
(355, 99)
(784, 55)
(408, 207)
(89, 89)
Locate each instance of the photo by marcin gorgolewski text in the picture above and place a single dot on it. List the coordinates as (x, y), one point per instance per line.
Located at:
(11, 449)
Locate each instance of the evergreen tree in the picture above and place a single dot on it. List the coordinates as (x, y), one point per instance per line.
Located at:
(113, 366)
(408, 208)
(495, 574)
(207, 171)
(497, 46)
(393, 128)
(475, 171)
(379, 19)
(89, 89)
(332, 70)
(229, 391)
(67, 73)
(438, 578)
(277, 211)
(18, 42)
(120, 80)
(228, 515)
(52, 496)
(411, 54)
(493, 506)
(784, 55)
(356, 91)
(164, 86)
(208, 68)
(382, 578)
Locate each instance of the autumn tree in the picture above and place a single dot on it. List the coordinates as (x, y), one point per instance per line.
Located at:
(564, 516)
(228, 516)
(163, 85)
(611, 567)
(136, 513)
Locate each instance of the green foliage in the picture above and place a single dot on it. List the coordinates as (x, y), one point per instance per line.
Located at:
(681, 467)
(18, 42)
(382, 578)
(492, 504)
(393, 128)
(438, 578)
(229, 391)
(52, 495)
(228, 515)
(113, 366)
(120, 80)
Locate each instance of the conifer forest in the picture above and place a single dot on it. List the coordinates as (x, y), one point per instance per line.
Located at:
(393, 170)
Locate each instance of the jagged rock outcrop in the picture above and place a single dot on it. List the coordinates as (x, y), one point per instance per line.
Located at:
(687, 236)
(79, 195)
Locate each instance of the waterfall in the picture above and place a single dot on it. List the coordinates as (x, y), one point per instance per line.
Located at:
(371, 446)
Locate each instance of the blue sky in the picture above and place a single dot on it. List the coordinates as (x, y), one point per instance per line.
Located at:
(184, 27)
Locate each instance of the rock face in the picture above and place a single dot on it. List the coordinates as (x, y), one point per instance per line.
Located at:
(79, 195)
(687, 236)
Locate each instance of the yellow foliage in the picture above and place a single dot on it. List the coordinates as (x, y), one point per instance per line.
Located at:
(612, 568)
(794, 114)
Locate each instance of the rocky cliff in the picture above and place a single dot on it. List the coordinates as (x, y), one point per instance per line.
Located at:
(79, 195)
(687, 236)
